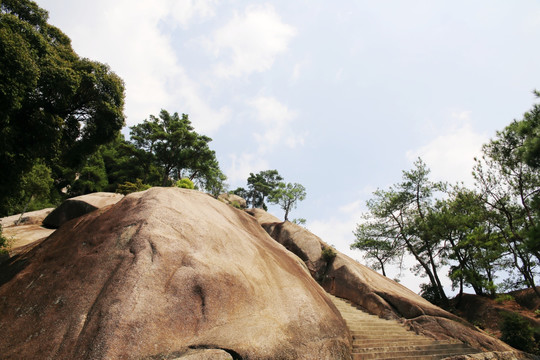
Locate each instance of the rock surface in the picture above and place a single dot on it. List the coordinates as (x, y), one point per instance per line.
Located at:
(29, 218)
(78, 206)
(377, 294)
(206, 354)
(159, 273)
(233, 200)
(505, 355)
(25, 234)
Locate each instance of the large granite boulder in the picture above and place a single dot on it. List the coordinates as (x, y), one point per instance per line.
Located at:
(29, 218)
(24, 235)
(233, 200)
(78, 206)
(346, 278)
(165, 274)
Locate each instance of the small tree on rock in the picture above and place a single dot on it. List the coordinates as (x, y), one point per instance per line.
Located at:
(287, 196)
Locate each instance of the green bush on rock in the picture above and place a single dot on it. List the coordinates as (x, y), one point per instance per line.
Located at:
(185, 183)
(517, 332)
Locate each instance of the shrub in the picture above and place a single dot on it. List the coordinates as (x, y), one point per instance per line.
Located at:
(518, 333)
(185, 183)
(430, 293)
(328, 254)
(236, 204)
(129, 187)
(503, 297)
(4, 243)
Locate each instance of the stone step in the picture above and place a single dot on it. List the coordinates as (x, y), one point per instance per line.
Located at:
(375, 326)
(406, 353)
(409, 347)
(377, 338)
(410, 357)
(391, 342)
(380, 332)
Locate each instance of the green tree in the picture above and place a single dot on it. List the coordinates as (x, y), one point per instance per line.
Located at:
(517, 332)
(399, 216)
(53, 104)
(372, 239)
(287, 196)
(35, 184)
(472, 243)
(529, 129)
(512, 189)
(178, 151)
(91, 178)
(260, 186)
(125, 163)
(213, 181)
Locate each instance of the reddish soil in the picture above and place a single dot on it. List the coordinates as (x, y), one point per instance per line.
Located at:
(487, 313)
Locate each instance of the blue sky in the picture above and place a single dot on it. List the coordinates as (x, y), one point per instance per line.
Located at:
(339, 96)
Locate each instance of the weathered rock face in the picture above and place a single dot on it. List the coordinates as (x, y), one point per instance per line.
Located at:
(29, 218)
(301, 242)
(78, 206)
(233, 200)
(158, 275)
(25, 234)
(505, 355)
(377, 294)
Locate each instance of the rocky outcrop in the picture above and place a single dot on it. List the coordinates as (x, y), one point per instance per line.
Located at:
(78, 206)
(25, 235)
(29, 218)
(233, 200)
(299, 241)
(214, 354)
(165, 273)
(504, 355)
(346, 278)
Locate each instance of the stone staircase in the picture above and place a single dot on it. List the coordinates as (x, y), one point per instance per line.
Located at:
(376, 338)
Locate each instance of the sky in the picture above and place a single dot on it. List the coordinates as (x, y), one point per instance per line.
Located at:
(338, 96)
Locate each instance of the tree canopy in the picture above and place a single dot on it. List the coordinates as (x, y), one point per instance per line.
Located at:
(482, 233)
(172, 145)
(287, 196)
(268, 184)
(54, 105)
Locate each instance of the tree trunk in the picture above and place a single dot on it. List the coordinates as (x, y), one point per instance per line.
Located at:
(382, 267)
(460, 294)
(437, 283)
(24, 210)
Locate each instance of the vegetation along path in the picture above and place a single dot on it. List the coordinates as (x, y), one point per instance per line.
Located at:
(376, 338)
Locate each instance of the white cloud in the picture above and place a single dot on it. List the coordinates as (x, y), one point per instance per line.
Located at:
(339, 75)
(275, 119)
(244, 164)
(131, 38)
(352, 207)
(251, 41)
(296, 73)
(338, 231)
(184, 12)
(451, 156)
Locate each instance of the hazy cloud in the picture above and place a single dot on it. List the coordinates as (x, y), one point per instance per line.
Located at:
(450, 156)
(250, 41)
(131, 39)
(274, 118)
(244, 164)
